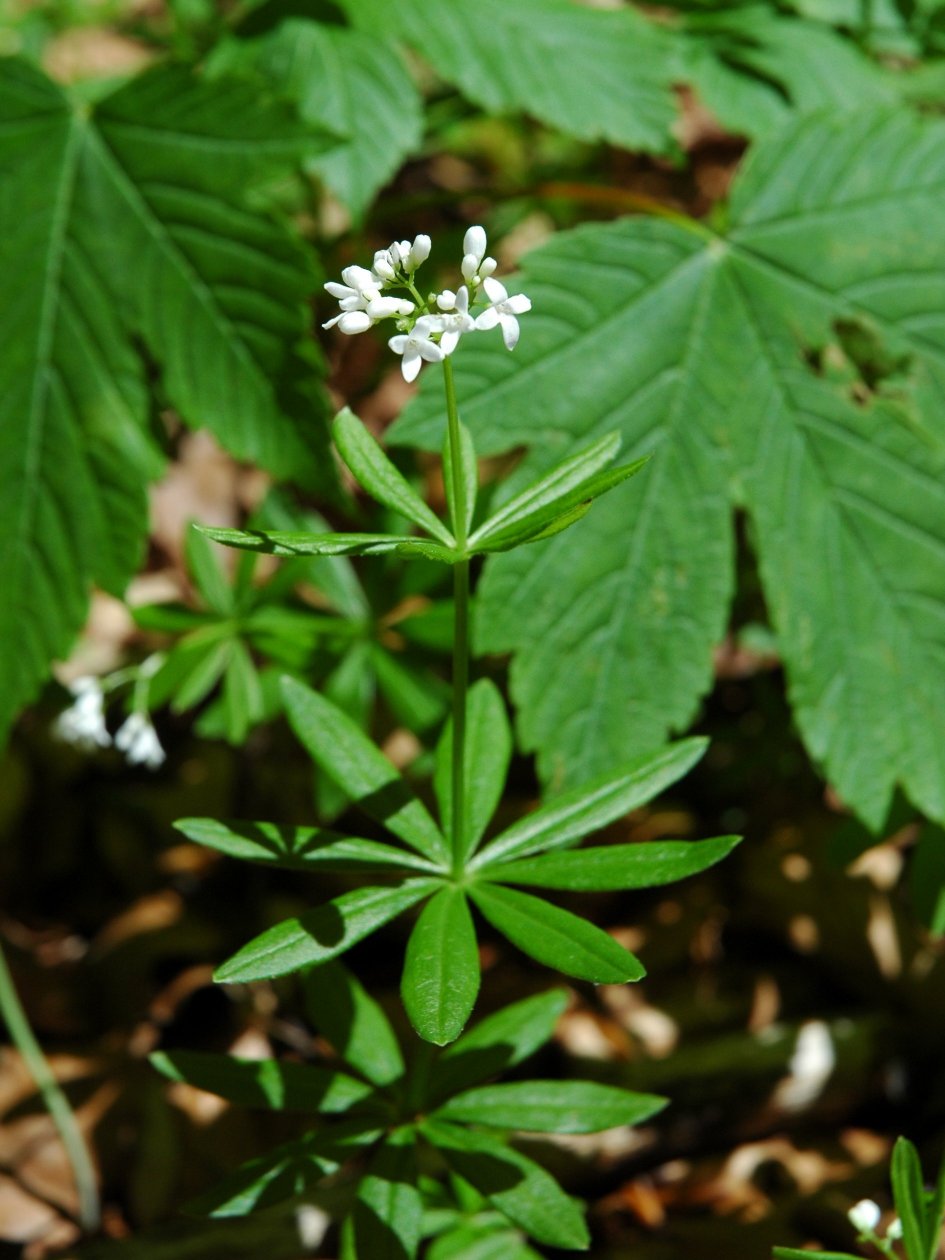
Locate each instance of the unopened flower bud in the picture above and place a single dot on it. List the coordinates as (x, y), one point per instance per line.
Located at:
(864, 1216)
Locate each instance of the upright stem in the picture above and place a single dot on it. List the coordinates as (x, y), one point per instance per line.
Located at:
(54, 1099)
(460, 625)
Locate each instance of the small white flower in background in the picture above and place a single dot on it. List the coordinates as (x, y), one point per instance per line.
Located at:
(475, 267)
(138, 740)
(864, 1216)
(83, 723)
(401, 258)
(503, 310)
(894, 1233)
(416, 346)
(455, 319)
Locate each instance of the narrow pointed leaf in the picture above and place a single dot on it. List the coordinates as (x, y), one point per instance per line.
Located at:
(524, 534)
(616, 867)
(414, 696)
(554, 486)
(555, 937)
(241, 699)
(558, 514)
(268, 1083)
(375, 472)
(586, 809)
(388, 1209)
(205, 566)
(481, 1242)
(202, 660)
(794, 1253)
(345, 753)
(498, 1042)
(488, 753)
(551, 1106)
(515, 1184)
(321, 934)
(469, 477)
(909, 1194)
(292, 543)
(297, 848)
(343, 1011)
(934, 1212)
(285, 1173)
(441, 969)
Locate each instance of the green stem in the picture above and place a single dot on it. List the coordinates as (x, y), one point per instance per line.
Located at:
(54, 1099)
(460, 626)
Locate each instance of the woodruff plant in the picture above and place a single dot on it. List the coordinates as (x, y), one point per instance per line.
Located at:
(380, 1112)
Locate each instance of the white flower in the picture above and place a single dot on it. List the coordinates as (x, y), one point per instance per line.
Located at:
(416, 346)
(138, 740)
(351, 322)
(455, 319)
(894, 1233)
(401, 256)
(361, 302)
(503, 311)
(864, 1216)
(475, 267)
(388, 307)
(83, 723)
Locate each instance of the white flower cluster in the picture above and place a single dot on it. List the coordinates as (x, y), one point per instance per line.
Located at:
(83, 724)
(428, 330)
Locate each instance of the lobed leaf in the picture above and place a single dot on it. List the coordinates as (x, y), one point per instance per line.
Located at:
(269, 1083)
(621, 67)
(555, 937)
(352, 83)
(515, 1184)
(441, 968)
(321, 934)
(834, 251)
(375, 472)
(583, 810)
(297, 848)
(616, 867)
(345, 753)
(551, 1106)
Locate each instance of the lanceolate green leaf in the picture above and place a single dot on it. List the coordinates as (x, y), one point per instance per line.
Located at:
(279, 543)
(619, 866)
(515, 1184)
(556, 937)
(441, 969)
(297, 847)
(713, 355)
(551, 1106)
(323, 933)
(128, 223)
(344, 1012)
(586, 809)
(380, 478)
(469, 476)
(793, 1253)
(388, 1209)
(621, 67)
(265, 1083)
(909, 1193)
(488, 752)
(203, 561)
(343, 751)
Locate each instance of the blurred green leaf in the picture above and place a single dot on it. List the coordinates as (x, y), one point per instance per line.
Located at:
(551, 1106)
(270, 1083)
